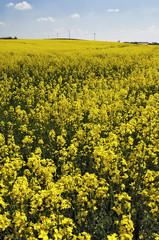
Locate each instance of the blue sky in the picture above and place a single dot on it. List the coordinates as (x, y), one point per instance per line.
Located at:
(111, 20)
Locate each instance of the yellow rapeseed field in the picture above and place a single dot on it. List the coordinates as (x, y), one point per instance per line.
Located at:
(79, 140)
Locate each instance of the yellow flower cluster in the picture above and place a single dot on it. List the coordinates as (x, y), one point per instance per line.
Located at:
(79, 140)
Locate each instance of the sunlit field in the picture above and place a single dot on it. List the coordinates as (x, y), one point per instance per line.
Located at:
(79, 140)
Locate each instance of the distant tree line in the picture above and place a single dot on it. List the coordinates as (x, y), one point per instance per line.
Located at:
(8, 38)
(153, 43)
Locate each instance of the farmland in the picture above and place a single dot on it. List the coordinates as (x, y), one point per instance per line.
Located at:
(79, 140)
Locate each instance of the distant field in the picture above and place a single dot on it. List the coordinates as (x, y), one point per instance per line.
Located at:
(79, 140)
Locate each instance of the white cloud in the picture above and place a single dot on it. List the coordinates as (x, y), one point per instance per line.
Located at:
(153, 29)
(10, 4)
(75, 15)
(91, 13)
(2, 23)
(59, 30)
(149, 34)
(46, 19)
(23, 6)
(113, 10)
